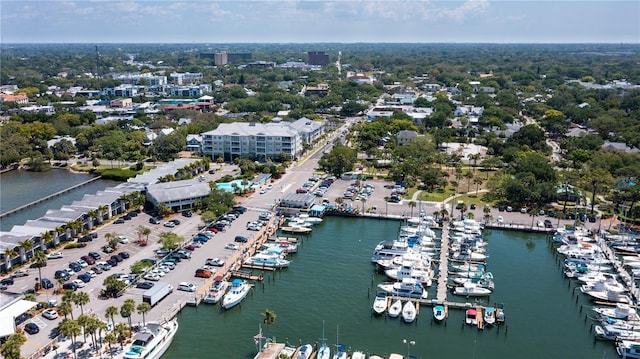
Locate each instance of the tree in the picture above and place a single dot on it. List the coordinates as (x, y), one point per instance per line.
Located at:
(127, 309)
(110, 312)
(65, 308)
(110, 338)
(339, 160)
(268, 318)
(11, 348)
(70, 328)
(143, 308)
(113, 286)
(462, 207)
(40, 260)
(81, 299)
(170, 240)
(112, 240)
(412, 205)
(143, 231)
(122, 332)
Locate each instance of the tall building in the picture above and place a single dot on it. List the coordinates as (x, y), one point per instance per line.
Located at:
(318, 58)
(220, 59)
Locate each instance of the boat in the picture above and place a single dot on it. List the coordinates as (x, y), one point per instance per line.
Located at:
(470, 317)
(304, 352)
(606, 295)
(621, 311)
(406, 270)
(484, 282)
(439, 313)
(380, 303)
(239, 290)
(217, 290)
(358, 355)
(628, 349)
(408, 288)
(409, 312)
(324, 352)
(611, 332)
(395, 309)
(269, 261)
(296, 229)
(500, 316)
(489, 316)
(341, 352)
(471, 290)
(152, 340)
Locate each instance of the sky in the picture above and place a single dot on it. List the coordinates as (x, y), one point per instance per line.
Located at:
(314, 21)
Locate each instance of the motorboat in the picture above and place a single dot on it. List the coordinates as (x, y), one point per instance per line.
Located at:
(380, 303)
(389, 250)
(324, 352)
(239, 290)
(484, 282)
(408, 288)
(270, 261)
(152, 340)
(603, 286)
(296, 229)
(406, 270)
(358, 355)
(409, 312)
(304, 352)
(591, 277)
(217, 291)
(468, 267)
(606, 295)
(395, 309)
(628, 349)
(489, 316)
(439, 313)
(341, 352)
(621, 311)
(471, 290)
(610, 332)
(468, 256)
(471, 317)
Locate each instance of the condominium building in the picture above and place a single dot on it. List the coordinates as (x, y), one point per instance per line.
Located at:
(252, 140)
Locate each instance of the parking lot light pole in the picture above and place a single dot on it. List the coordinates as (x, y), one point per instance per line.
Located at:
(409, 343)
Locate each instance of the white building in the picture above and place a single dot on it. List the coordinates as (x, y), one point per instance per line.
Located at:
(307, 129)
(261, 141)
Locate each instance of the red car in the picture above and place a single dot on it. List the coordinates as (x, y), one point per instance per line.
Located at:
(190, 247)
(203, 273)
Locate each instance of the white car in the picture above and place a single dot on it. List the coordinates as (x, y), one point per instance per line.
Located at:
(269, 186)
(263, 191)
(103, 265)
(50, 314)
(231, 246)
(157, 272)
(151, 277)
(169, 224)
(187, 287)
(500, 219)
(79, 283)
(82, 263)
(91, 273)
(20, 273)
(217, 262)
(54, 255)
(69, 271)
(123, 239)
(168, 265)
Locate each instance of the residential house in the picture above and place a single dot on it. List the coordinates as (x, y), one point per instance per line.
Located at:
(121, 91)
(20, 98)
(405, 136)
(122, 103)
(307, 129)
(319, 90)
(619, 146)
(194, 143)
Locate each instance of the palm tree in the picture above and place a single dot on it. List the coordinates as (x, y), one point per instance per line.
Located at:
(25, 246)
(462, 207)
(110, 312)
(65, 308)
(468, 175)
(386, 205)
(81, 299)
(83, 320)
(47, 239)
(110, 339)
(412, 205)
(9, 254)
(11, 348)
(143, 231)
(143, 308)
(93, 216)
(127, 309)
(40, 260)
(102, 210)
(122, 332)
(478, 182)
(268, 318)
(474, 157)
(70, 328)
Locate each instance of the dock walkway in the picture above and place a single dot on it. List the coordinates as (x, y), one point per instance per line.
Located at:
(443, 271)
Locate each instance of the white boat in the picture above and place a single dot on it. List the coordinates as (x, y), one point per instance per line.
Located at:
(152, 341)
(296, 229)
(389, 250)
(621, 311)
(471, 290)
(468, 256)
(380, 303)
(628, 349)
(304, 352)
(324, 352)
(341, 352)
(606, 295)
(217, 290)
(408, 271)
(395, 309)
(610, 332)
(239, 290)
(439, 313)
(409, 312)
(591, 277)
(481, 282)
(270, 261)
(470, 317)
(408, 288)
(358, 355)
(489, 316)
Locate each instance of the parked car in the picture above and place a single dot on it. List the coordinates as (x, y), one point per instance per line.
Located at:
(175, 221)
(123, 239)
(144, 285)
(60, 274)
(79, 283)
(70, 286)
(187, 287)
(103, 265)
(82, 263)
(203, 273)
(119, 221)
(31, 328)
(54, 255)
(216, 262)
(50, 314)
(231, 246)
(133, 214)
(107, 249)
(154, 220)
(169, 224)
(89, 260)
(241, 209)
(112, 262)
(20, 273)
(7, 281)
(187, 213)
(96, 270)
(75, 267)
(151, 277)
(95, 255)
(85, 277)
(116, 258)
(124, 254)
(85, 239)
(241, 239)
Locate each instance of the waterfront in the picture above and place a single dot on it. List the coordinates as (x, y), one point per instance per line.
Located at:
(21, 187)
(331, 279)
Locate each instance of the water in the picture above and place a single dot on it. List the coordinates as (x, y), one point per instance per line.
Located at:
(21, 187)
(331, 279)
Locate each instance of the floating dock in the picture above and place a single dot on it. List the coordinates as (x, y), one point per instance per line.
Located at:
(443, 270)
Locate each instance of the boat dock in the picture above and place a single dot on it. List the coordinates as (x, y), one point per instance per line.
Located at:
(479, 317)
(270, 351)
(246, 275)
(443, 270)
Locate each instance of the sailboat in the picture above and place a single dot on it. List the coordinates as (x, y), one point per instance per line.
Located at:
(341, 349)
(324, 352)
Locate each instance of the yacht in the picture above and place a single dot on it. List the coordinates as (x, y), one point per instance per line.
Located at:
(471, 290)
(380, 303)
(408, 271)
(408, 288)
(271, 261)
(152, 341)
(239, 290)
(217, 290)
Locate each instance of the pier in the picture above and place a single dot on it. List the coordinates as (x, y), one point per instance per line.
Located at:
(43, 199)
(443, 270)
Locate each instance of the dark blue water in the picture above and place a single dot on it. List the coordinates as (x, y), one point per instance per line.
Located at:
(331, 279)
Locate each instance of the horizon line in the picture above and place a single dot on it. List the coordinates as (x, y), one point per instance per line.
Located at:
(327, 42)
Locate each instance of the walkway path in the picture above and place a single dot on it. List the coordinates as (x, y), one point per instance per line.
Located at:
(443, 269)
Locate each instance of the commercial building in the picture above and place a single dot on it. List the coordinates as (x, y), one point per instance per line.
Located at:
(318, 58)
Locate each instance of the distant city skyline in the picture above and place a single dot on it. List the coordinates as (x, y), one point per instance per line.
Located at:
(315, 21)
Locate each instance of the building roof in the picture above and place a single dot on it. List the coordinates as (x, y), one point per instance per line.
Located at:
(9, 312)
(252, 129)
(178, 190)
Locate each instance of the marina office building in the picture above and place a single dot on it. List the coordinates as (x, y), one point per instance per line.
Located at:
(260, 141)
